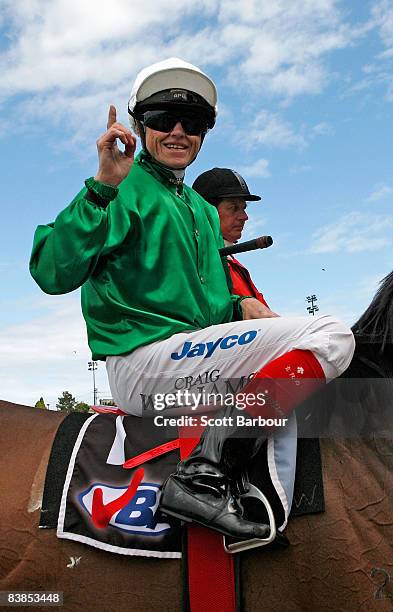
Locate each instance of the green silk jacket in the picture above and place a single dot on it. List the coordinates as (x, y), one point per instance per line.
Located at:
(148, 262)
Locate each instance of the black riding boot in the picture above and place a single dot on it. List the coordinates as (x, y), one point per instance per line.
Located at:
(201, 490)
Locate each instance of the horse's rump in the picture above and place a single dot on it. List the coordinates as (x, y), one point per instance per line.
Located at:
(33, 559)
(338, 560)
(342, 559)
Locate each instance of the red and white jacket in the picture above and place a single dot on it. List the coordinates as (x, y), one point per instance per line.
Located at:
(241, 279)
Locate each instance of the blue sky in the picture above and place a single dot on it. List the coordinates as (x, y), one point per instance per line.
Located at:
(305, 114)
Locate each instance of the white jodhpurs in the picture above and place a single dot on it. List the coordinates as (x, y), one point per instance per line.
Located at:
(205, 358)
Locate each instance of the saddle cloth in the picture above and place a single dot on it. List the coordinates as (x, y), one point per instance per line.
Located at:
(87, 461)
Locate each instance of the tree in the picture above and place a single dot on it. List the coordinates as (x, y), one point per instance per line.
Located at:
(41, 403)
(82, 407)
(66, 402)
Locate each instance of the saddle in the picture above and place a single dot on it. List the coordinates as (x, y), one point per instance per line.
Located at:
(87, 460)
(103, 486)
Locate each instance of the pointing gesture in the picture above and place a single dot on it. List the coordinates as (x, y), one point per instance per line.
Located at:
(114, 165)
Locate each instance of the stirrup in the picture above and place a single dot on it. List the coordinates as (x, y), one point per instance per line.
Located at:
(236, 547)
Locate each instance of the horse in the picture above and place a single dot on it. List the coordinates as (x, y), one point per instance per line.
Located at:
(341, 559)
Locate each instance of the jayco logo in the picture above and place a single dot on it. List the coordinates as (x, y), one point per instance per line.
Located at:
(197, 350)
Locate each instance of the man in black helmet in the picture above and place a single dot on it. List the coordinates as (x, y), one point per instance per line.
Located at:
(228, 192)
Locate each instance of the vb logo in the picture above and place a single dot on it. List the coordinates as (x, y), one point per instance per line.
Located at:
(137, 516)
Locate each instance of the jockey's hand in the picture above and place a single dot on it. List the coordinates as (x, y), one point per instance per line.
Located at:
(114, 165)
(253, 309)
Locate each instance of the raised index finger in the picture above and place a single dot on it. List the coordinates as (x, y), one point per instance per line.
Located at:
(111, 116)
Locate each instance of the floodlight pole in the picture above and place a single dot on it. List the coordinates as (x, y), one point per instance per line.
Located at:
(311, 299)
(92, 366)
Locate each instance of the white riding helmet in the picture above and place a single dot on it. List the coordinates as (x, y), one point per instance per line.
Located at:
(172, 74)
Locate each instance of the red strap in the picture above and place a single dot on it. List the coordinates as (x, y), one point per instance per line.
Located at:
(152, 453)
(211, 571)
(102, 513)
(109, 410)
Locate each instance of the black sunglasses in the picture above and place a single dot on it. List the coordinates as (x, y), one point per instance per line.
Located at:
(165, 121)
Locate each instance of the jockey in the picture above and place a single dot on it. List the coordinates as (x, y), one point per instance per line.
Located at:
(144, 248)
(228, 192)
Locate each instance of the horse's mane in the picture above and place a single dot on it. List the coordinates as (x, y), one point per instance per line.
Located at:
(376, 323)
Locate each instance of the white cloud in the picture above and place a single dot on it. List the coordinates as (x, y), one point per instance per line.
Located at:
(300, 79)
(388, 54)
(270, 129)
(321, 129)
(65, 57)
(353, 233)
(379, 73)
(380, 192)
(383, 14)
(48, 355)
(66, 42)
(259, 168)
(287, 42)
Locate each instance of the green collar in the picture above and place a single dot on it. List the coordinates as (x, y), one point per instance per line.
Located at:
(164, 175)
